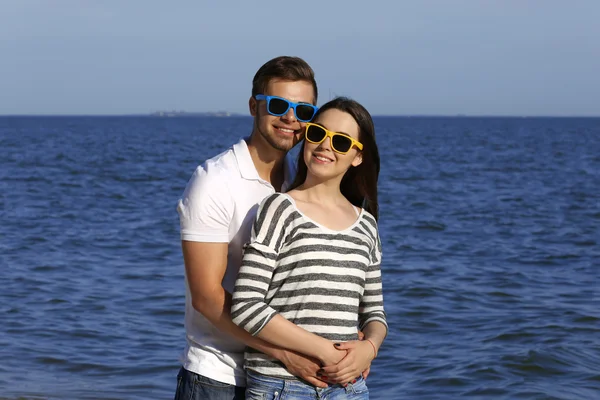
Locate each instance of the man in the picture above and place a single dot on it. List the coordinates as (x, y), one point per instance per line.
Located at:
(216, 214)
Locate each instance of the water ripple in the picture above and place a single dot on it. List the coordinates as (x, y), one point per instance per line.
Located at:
(491, 247)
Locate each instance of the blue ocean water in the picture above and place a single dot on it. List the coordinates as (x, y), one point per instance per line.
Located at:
(490, 230)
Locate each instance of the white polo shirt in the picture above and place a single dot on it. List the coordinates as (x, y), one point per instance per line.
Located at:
(219, 205)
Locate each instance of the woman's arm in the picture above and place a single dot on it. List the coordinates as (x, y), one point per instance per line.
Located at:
(375, 332)
(372, 321)
(281, 332)
(249, 309)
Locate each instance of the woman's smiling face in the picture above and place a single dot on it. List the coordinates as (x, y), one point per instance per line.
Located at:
(321, 160)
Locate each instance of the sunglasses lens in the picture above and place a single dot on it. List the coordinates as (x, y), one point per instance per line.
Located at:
(278, 106)
(304, 112)
(315, 134)
(341, 143)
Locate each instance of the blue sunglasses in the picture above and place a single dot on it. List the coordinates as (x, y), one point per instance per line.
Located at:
(279, 106)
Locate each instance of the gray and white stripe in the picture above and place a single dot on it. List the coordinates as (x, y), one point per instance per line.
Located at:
(326, 282)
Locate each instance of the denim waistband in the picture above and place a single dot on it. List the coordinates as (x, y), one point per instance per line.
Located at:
(276, 386)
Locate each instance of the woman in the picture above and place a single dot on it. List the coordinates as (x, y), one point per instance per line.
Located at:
(310, 277)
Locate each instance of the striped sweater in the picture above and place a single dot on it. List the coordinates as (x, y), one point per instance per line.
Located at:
(327, 282)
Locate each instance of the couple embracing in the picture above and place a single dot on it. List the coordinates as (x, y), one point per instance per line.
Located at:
(282, 257)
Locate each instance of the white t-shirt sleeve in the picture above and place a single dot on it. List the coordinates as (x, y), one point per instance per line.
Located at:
(206, 208)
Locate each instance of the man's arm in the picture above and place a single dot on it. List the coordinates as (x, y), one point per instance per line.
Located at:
(205, 265)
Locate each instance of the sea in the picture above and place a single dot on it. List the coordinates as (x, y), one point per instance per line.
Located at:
(491, 255)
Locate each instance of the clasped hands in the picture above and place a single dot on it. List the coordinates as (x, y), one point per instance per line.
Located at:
(342, 364)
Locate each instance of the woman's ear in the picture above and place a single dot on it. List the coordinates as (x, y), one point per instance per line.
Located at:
(252, 106)
(357, 160)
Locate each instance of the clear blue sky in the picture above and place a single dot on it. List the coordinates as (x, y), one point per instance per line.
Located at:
(477, 57)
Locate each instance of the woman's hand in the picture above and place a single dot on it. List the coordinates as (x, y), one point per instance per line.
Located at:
(358, 359)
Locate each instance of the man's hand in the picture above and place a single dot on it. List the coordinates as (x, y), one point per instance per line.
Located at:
(302, 367)
(357, 361)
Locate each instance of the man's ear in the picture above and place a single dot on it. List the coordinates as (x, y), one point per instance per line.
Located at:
(357, 160)
(253, 106)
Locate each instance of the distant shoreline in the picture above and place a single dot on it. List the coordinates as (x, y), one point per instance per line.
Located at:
(159, 114)
(194, 114)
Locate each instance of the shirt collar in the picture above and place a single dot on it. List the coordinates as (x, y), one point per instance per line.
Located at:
(242, 155)
(248, 169)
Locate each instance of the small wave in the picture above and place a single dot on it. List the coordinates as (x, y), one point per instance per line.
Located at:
(446, 382)
(502, 294)
(586, 319)
(46, 360)
(431, 226)
(586, 243)
(511, 337)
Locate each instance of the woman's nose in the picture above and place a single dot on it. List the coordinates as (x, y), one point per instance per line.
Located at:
(325, 144)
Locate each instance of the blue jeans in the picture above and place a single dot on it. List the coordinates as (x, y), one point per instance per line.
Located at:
(191, 386)
(262, 387)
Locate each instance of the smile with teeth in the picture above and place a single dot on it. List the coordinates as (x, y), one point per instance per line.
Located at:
(322, 158)
(286, 130)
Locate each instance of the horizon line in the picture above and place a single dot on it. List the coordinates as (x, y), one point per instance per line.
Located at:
(239, 115)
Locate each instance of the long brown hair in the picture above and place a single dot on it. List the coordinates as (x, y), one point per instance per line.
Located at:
(359, 184)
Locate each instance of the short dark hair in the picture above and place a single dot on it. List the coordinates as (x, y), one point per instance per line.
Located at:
(359, 184)
(286, 68)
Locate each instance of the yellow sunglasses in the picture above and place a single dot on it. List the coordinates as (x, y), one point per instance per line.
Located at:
(340, 142)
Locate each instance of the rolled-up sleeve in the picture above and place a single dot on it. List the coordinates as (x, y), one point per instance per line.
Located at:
(249, 309)
(371, 303)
